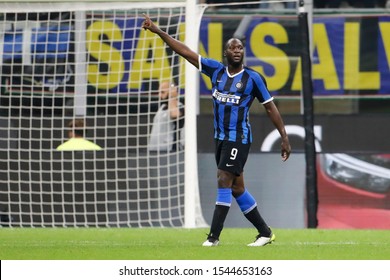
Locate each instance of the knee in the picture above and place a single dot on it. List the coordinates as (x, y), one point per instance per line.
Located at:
(225, 179)
(237, 190)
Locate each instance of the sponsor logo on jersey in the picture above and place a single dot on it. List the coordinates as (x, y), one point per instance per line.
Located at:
(226, 98)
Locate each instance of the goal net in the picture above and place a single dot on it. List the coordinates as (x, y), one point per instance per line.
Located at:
(93, 62)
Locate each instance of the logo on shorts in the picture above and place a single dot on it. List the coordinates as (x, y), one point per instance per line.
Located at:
(229, 165)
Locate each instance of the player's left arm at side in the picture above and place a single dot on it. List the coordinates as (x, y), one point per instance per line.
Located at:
(276, 118)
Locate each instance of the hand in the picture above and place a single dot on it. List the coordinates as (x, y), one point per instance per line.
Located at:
(286, 150)
(173, 92)
(149, 25)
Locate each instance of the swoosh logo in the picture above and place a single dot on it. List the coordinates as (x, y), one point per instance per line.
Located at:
(229, 165)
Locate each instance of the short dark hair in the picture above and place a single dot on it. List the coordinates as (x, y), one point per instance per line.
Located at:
(77, 126)
(228, 42)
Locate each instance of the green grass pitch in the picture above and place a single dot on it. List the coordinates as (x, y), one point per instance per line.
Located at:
(185, 244)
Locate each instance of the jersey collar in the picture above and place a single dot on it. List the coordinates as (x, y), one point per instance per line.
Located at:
(230, 75)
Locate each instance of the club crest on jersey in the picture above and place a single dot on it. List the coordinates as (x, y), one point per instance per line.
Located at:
(239, 85)
(226, 98)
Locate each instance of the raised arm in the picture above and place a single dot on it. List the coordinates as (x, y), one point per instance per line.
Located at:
(175, 45)
(274, 115)
(174, 110)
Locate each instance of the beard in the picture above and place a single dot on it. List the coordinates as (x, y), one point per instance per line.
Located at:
(164, 102)
(235, 63)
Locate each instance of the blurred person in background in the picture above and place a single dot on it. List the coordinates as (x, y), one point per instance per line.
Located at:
(76, 141)
(167, 134)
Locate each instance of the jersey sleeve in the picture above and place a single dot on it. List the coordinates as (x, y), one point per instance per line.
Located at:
(260, 89)
(209, 66)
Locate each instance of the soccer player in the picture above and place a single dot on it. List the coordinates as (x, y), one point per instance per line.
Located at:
(234, 87)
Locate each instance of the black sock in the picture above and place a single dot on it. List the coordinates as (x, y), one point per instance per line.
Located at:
(255, 218)
(219, 216)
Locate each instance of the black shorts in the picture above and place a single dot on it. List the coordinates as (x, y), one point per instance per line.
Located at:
(231, 156)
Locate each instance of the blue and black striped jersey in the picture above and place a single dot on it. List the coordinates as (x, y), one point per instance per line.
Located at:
(232, 98)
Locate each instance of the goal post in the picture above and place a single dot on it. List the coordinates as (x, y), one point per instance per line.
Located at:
(91, 60)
